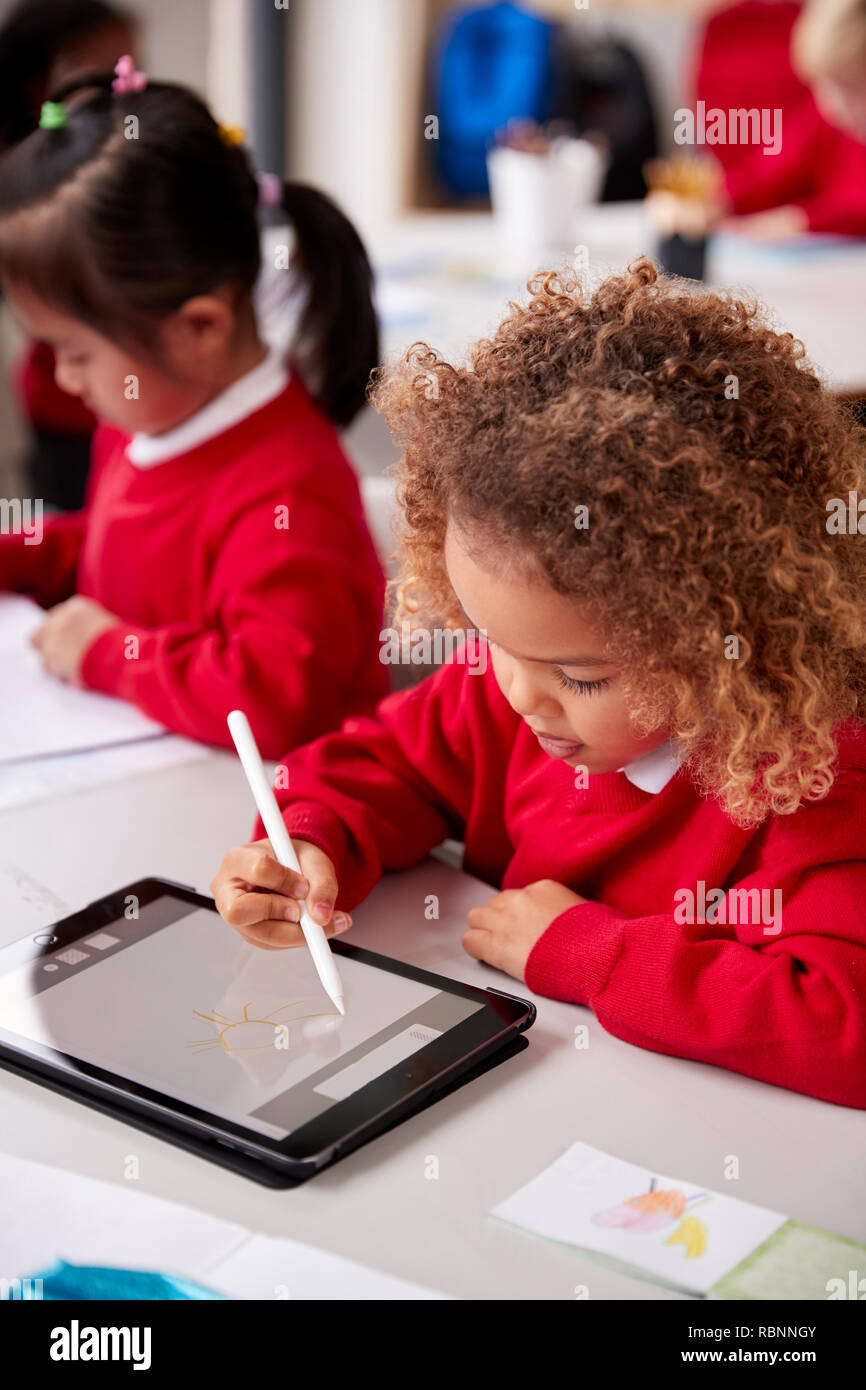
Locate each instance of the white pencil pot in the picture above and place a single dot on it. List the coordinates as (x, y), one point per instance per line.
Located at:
(537, 198)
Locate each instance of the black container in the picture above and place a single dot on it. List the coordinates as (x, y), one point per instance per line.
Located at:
(682, 256)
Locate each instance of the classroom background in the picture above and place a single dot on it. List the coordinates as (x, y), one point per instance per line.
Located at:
(391, 106)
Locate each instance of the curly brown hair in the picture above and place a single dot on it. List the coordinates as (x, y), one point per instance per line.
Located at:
(706, 449)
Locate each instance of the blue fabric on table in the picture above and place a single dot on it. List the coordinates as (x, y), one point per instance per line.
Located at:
(91, 1282)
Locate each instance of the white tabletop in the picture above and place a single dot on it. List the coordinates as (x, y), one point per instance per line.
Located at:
(446, 278)
(796, 1155)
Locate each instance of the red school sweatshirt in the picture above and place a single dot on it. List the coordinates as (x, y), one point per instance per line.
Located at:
(227, 606)
(745, 63)
(450, 757)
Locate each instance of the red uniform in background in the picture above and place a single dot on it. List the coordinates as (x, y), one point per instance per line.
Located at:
(218, 606)
(745, 62)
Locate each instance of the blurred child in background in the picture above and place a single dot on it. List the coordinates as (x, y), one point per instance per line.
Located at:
(816, 181)
(829, 52)
(222, 558)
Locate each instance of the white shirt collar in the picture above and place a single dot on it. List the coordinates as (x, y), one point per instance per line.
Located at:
(245, 396)
(653, 770)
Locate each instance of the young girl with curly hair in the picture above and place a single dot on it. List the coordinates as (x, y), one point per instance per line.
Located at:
(635, 494)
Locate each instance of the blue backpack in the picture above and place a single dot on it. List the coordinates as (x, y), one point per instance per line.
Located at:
(491, 65)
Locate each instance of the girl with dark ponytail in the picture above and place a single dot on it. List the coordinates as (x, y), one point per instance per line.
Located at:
(339, 322)
(222, 559)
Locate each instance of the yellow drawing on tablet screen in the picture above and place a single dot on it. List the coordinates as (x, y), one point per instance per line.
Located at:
(247, 1034)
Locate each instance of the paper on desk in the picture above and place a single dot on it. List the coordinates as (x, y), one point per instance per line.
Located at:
(40, 715)
(46, 1213)
(39, 779)
(267, 1267)
(682, 1234)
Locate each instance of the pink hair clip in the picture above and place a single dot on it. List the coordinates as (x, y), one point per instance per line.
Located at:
(127, 77)
(270, 190)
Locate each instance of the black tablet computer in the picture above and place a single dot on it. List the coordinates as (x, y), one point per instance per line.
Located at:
(147, 1006)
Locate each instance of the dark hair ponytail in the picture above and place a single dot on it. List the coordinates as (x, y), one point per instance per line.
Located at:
(339, 322)
(149, 222)
(32, 35)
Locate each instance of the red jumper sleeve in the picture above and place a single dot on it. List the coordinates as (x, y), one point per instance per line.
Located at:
(282, 629)
(786, 1006)
(383, 791)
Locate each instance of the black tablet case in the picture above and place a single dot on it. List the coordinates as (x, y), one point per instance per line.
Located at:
(243, 1164)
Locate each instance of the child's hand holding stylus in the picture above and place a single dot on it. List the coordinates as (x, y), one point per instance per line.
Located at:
(281, 847)
(262, 900)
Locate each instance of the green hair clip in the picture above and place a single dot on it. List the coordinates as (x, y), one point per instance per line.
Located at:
(53, 116)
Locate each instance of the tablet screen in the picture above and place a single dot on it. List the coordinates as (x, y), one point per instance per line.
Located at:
(173, 999)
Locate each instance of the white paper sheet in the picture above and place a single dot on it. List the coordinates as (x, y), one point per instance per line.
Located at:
(680, 1233)
(40, 779)
(39, 715)
(265, 1267)
(47, 1213)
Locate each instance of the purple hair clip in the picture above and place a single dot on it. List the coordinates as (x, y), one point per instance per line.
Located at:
(127, 77)
(270, 190)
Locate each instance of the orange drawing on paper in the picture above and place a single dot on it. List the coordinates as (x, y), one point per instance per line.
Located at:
(653, 1210)
(247, 1034)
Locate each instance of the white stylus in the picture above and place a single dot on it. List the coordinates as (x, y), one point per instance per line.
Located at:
(263, 793)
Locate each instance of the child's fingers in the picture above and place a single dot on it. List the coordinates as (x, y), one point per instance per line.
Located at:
(319, 872)
(240, 908)
(282, 936)
(255, 864)
(273, 936)
(262, 900)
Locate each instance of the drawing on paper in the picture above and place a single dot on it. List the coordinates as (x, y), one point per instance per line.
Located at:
(247, 1034)
(656, 1209)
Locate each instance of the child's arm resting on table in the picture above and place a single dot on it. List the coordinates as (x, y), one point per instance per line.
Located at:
(282, 630)
(785, 1005)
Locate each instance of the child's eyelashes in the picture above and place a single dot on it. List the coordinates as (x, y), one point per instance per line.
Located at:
(571, 682)
(580, 687)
